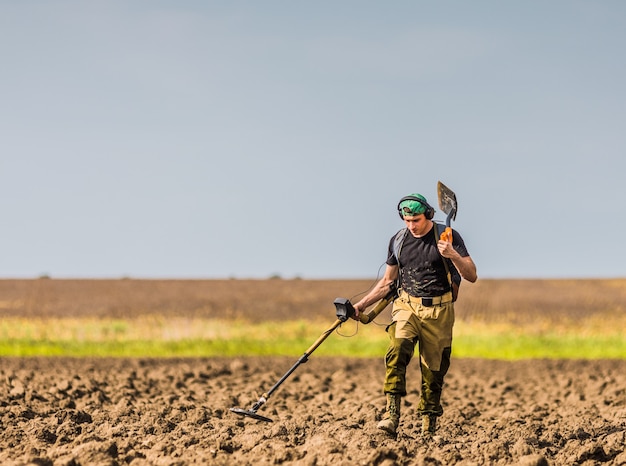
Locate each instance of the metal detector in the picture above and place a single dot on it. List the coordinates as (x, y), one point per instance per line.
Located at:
(344, 310)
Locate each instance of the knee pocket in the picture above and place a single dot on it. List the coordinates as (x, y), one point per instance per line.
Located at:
(400, 349)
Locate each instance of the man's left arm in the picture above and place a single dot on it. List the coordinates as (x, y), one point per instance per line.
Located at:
(465, 265)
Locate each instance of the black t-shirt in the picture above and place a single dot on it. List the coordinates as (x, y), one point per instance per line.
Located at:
(422, 271)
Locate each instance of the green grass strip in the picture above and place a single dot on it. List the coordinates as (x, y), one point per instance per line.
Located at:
(163, 338)
(184, 348)
(512, 347)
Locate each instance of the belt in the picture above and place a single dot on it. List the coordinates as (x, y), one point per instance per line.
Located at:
(428, 301)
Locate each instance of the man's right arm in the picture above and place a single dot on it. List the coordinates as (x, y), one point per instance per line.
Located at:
(380, 290)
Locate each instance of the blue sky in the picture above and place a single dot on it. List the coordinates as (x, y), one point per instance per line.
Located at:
(188, 139)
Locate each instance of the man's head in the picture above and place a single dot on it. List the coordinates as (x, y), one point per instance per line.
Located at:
(413, 205)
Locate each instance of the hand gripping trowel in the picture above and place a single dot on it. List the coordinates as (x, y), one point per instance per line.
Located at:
(344, 311)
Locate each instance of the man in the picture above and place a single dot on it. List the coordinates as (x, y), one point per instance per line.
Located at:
(427, 271)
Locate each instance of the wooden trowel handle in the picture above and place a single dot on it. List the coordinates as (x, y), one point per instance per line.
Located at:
(446, 235)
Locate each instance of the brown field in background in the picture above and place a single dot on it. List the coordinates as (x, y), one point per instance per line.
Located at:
(277, 299)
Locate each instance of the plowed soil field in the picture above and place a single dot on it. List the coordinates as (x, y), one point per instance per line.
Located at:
(61, 411)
